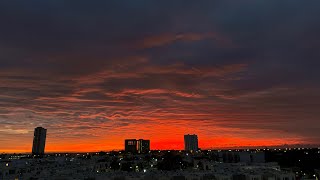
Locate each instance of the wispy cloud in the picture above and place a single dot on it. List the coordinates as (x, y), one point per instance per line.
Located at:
(170, 38)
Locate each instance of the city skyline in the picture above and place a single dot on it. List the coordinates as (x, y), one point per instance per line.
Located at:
(237, 74)
(143, 146)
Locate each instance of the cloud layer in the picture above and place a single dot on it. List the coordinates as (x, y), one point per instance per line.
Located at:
(235, 73)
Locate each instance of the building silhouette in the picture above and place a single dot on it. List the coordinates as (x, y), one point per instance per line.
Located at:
(39, 141)
(143, 146)
(191, 142)
(137, 146)
(131, 145)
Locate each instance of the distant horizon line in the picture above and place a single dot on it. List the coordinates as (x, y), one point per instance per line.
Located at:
(296, 146)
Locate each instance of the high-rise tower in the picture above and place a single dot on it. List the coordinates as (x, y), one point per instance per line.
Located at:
(191, 142)
(39, 141)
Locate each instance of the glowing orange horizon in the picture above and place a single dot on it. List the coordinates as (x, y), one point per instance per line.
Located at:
(174, 144)
(163, 136)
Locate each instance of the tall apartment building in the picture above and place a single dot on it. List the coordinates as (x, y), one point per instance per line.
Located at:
(39, 141)
(191, 142)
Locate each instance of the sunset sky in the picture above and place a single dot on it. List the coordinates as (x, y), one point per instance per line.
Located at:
(234, 72)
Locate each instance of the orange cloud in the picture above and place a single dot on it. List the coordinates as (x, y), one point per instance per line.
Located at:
(145, 100)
